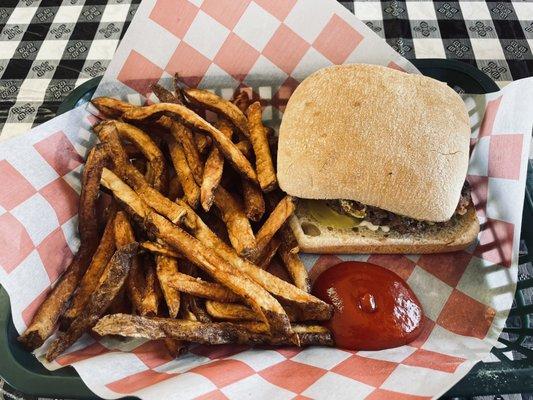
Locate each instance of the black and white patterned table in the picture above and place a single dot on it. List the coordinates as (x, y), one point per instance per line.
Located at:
(47, 47)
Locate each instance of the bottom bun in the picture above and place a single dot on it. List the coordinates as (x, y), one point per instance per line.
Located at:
(459, 234)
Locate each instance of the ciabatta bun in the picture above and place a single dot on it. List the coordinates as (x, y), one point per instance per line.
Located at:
(324, 239)
(382, 137)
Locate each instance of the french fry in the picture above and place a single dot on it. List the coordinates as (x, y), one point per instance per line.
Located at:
(189, 118)
(110, 107)
(174, 188)
(206, 333)
(160, 249)
(242, 101)
(239, 229)
(174, 212)
(266, 174)
(183, 171)
(289, 240)
(275, 221)
(268, 252)
(200, 288)
(294, 266)
(305, 305)
(217, 104)
(166, 268)
(204, 257)
(109, 286)
(184, 136)
(45, 319)
(165, 95)
(175, 347)
(254, 204)
(135, 281)
(152, 291)
(89, 282)
(156, 169)
(203, 142)
(236, 312)
(213, 169)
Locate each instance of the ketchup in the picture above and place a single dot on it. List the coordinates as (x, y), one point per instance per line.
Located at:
(375, 309)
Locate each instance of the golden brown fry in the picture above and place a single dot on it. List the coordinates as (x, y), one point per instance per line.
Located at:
(166, 268)
(304, 305)
(205, 257)
(135, 281)
(156, 169)
(184, 136)
(214, 167)
(89, 282)
(242, 101)
(165, 95)
(222, 107)
(108, 134)
(110, 107)
(183, 172)
(188, 117)
(288, 239)
(294, 266)
(275, 221)
(239, 229)
(230, 311)
(266, 174)
(254, 204)
(203, 142)
(264, 258)
(44, 321)
(174, 188)
(160, 249)
(200, 288)
(109, 286)
(206, 333)
(152, 292)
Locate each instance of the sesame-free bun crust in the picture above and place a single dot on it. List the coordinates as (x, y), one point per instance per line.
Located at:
(383, 137)
(460, 233)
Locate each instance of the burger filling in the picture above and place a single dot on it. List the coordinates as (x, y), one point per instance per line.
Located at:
(374, 217)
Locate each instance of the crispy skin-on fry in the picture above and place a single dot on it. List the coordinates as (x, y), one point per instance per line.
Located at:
(266, 174)
(254, 204)
(126, 171)
(191, 119)
(90, 279)
(268, 252)
(110, 284)
(288, 239)
(295, 267)
(203, 256)
(200, 288)
(222, 107)
(213, 169)
(236, 311)
(167, 268)
(183, 172)
(152, 292)
(156, 169)
(275, 221)
(160, 249)
(135, 281)
(45, 319)
(242, 101)
(239, 229)
(206, 333)
(165, 95)
(110, 107)
(305, 305)
(203, 142)
(174, 188)
(184, 136)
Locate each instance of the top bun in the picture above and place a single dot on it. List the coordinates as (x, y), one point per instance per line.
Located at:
(376, 135)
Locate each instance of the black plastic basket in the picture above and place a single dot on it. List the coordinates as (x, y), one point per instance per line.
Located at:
(23, 372)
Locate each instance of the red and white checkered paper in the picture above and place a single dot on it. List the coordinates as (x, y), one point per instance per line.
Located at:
(269, 46)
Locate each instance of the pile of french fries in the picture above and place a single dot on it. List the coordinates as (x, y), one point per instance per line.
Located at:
(193, 223)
